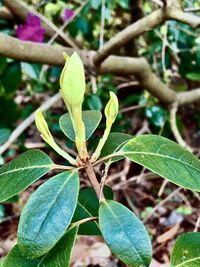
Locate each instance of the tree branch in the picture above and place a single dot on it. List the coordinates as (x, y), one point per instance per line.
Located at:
(5, 13)
(179, 15)
(136, 29)
(138, 67)
(171, 11)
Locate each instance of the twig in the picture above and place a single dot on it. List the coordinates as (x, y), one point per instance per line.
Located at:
(20, 8)
(67, 22)
(162, 203)
(27, 122)
(174, 127)
(123, 110)
(103, 10)
(197, 225)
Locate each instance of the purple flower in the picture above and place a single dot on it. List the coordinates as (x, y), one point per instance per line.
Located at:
(68, 13)
(31, 30)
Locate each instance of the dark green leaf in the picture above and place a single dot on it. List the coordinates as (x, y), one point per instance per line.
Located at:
(60, 255)
(166, 158)
(91, 119)
(15, 258)
(125, 234)
(88, 206)
(186, 251)
(193, 76)
(114, 143)
(3, 64)
(47, 214)
(21, 172)
(157, 115)
(11, 77)
(2, 212)
(4, 135)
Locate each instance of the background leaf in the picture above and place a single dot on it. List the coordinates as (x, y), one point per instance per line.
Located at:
(125, 234)
(21, 172)
(165, 158)
(88, 206)
(114, 142)
(91, 119)
(186, 251)
(60, 255)
(47, 214)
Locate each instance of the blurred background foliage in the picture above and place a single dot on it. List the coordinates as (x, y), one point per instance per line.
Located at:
(173, 51)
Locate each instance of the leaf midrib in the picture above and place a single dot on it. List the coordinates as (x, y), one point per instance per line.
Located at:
(163, 156)
(27, 168)
(186, 262)
(124, 231)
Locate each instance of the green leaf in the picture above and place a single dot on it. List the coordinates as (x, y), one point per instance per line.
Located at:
(21, 172)
(15, 258)
(114, 143)
(194, 76)
(47, 214)
(125, 234)
(186, 251)
(91, 119)
(60, 255)
(88, 206)
(11, 77)
(4, 135)
(166, 158)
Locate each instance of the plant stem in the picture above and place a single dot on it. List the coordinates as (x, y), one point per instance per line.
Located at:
(93, 179)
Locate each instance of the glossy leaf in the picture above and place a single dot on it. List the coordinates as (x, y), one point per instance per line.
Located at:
(186, 251)
(166, 158)
(125, 234)
(15, 258)
(91, 119)
(21, 172)
(60, 255)
(88, 206)
(47, 214)
(114, 142)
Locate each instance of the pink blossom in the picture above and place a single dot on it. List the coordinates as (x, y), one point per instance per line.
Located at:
(31, 30)
(68, 13)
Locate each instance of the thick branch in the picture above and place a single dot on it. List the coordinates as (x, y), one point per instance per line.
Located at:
(5, 13)
(138, 67)
(136, 29)
(179, 15)
(171, 11)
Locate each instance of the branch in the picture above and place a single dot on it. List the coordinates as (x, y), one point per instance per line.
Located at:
(20, 9)
(138, 67)
(174, 127)
(179, 15)
(171, 11)
(5, 13)
(136, 29)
